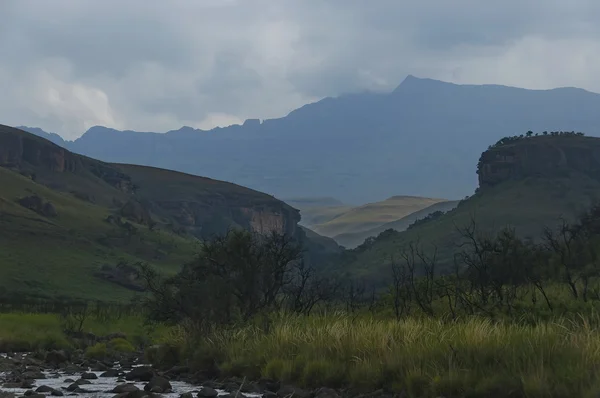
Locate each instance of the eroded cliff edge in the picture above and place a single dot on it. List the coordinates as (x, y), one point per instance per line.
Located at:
(183, 202)
(558, 155)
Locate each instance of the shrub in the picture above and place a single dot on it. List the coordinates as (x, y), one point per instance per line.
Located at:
(97, 351)
(120, 345)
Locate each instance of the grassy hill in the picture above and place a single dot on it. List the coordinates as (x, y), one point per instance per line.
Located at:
(371, 215)
(315, 211)
(71, 226)
(526, 183)
(352, 240)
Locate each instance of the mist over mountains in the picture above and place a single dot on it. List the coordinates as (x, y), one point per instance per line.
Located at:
(421, 139)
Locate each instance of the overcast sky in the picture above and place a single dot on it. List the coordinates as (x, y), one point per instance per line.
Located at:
(150, 65)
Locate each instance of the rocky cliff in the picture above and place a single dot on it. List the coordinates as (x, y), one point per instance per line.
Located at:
(539, 156)
(198, 205)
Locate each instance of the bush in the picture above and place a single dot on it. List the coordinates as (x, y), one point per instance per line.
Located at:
(120, 345)
(97, 351)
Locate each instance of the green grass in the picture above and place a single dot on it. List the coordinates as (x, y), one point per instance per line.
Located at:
(424, 357)
(57, 257)
(32, 331)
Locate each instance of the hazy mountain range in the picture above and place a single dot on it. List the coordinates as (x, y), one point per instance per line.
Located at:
(421, 139)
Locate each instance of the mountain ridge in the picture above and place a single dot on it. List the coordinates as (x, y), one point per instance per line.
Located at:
(422, 138)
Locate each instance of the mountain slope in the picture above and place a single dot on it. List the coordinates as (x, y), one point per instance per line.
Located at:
(72, 226)
(351, 240)
(422, 139)
(528, 184)
(365, 217)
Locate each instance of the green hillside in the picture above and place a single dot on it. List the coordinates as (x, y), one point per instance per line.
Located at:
(352, 240)
(528, 205)
(72, 227)
(526, 183)
(60, 256)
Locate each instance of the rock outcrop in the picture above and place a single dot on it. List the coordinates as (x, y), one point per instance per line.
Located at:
(19, 149)
(541, 156)
(39, 205)
(144, 195)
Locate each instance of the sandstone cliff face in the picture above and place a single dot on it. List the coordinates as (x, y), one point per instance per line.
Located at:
(201, 206)
(16, 150)
(265, 221)
(539, 157)
(204, 218)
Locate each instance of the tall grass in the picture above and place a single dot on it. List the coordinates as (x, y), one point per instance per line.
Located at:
(423, 357)
(31, 331)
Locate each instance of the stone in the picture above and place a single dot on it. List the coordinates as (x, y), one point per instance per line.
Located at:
(231, 387)
(125, 388)
(163, 385)
(207, 392)
(33, 375)
(89, 376)
(56, 358)
(82, 382)
(111, 373)
(142, 373)
(44, 389)
(56, 393)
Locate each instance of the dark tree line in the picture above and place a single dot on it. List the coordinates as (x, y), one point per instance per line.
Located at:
(530, 134)
(239, 276)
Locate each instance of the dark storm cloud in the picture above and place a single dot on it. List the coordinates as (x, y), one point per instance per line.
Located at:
(150, 65)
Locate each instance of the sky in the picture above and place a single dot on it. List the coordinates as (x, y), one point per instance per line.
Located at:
(150, 65)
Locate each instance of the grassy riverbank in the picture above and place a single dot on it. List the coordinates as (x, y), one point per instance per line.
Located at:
(30, 331)
(423, 357)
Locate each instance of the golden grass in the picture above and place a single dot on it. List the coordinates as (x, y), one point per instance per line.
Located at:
(423, 357)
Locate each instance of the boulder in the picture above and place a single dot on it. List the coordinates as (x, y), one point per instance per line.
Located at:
(186, 395)
(111, 373)
(43, 389)
(82, 382)
(33, 375)
(49, 210)
(56, 358)
(89, 376)
(159, 385)
(125, 388)
(207, 392)
(142, 373)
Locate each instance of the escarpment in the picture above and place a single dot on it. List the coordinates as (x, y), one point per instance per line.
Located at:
(539, 156)
(145, 195)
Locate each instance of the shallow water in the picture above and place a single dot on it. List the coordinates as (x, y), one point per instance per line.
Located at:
(102, 386)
